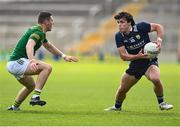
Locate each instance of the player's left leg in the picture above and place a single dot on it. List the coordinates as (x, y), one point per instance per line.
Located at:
(153, 74)
(43, 71)
(127, 82)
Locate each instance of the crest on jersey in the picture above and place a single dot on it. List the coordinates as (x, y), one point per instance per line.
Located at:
(138, 36)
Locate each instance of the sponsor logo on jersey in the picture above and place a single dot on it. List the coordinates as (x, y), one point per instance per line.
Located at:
(136, 46)
(132, 40)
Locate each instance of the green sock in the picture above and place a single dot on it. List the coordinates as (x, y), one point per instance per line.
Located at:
(36, 93)
(17, 104)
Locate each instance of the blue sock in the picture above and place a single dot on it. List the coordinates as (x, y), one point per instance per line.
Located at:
(118, 104)
(160, 99)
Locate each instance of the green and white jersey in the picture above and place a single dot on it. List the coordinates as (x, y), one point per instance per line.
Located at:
(35, 33)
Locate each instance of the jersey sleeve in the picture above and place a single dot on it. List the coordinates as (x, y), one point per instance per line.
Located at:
(37, 36)
(119, 40)
(144, 27)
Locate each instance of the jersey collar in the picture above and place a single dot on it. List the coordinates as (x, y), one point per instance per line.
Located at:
(39, 27)
(131, 30)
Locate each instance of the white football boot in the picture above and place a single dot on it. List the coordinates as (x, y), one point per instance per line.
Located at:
(165, 106)
(113, 108)
(13, 108)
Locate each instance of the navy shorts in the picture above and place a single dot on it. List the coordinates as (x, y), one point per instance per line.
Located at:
(139, 72)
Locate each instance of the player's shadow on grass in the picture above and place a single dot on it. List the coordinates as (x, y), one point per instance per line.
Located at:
(149, 113)
(58, 112)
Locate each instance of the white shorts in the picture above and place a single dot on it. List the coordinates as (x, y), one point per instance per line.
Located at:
(18, 67)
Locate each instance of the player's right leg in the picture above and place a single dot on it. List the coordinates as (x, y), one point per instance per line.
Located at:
(43, 71)
(29, 85)
(127, 82)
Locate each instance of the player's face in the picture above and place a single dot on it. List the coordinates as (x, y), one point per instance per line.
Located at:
(123, 25)
(49, 23)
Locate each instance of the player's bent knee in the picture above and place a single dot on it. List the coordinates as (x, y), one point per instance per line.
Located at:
(49, 68)
(31, 88)
(155, 80)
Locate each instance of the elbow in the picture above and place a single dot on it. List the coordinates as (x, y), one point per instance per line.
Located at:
(48, 46)
(123, 57)
(160, 27)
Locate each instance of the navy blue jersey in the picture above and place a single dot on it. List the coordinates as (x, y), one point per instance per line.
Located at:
(134, 42)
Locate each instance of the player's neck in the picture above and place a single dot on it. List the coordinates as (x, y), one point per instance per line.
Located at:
(43, 27)
(128, 31)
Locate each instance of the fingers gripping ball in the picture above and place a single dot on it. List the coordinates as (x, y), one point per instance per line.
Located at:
(151, 50)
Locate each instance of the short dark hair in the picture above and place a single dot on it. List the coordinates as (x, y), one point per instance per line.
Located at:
(43, 15)
(127, 16)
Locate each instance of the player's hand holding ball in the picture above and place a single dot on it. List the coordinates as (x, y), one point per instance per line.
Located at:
(142, 55)
(152, 49)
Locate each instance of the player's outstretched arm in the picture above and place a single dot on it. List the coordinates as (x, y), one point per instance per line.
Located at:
(51, 48)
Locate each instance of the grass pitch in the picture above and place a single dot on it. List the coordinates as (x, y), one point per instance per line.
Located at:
(77, 93)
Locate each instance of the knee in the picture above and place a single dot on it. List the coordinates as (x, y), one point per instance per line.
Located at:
(49, 68)
(154, 79)
(31, 88)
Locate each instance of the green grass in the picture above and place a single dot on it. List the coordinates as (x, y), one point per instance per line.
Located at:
(77, 93)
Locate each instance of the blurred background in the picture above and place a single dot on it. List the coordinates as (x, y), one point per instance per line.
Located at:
(87, 27)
